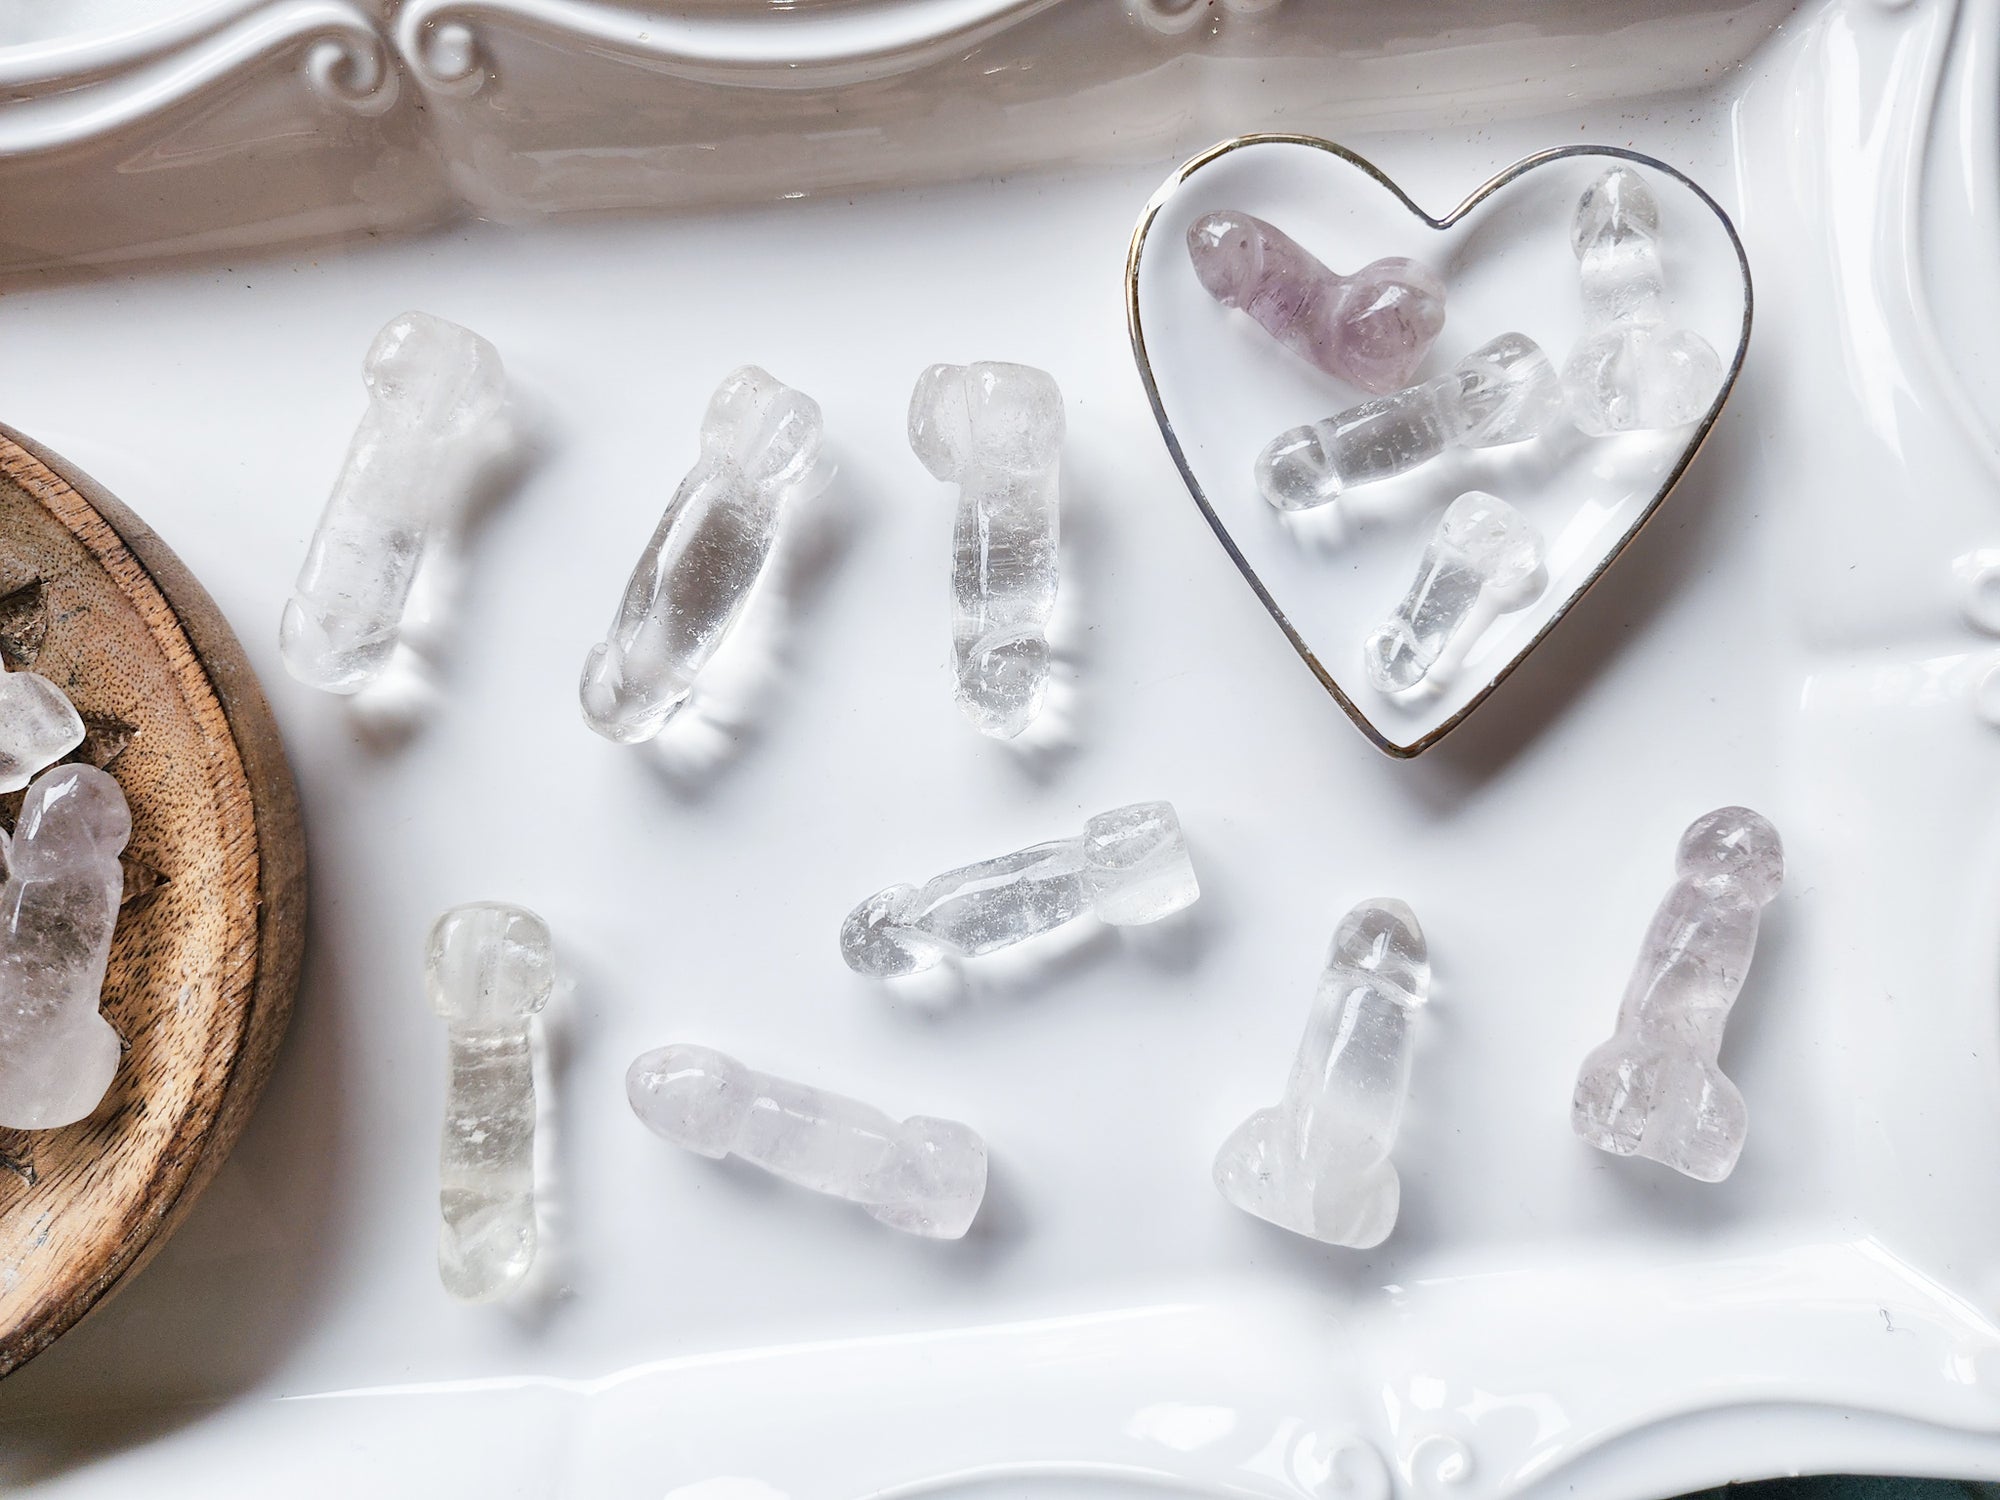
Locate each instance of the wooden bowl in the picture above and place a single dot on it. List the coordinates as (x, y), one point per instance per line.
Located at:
(206, 955)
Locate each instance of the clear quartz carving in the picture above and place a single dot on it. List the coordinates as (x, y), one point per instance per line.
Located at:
(1482, 547)
(1129, 867)
(1631, 372)
(1318, 1163)
(1371, 329)
(434, 389)
(38, 727)
(924, 1176)
(1505, 391)
(760, 443)
(997, 430)
(57, 912)
(1656, 1089)
(489, 970)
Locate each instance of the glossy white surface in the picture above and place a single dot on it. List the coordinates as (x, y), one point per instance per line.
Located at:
(1544, 1321)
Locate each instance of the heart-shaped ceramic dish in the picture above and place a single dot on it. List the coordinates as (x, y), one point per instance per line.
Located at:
(1221, 388)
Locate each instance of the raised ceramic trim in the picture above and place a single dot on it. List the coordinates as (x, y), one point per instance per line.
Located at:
(1135, 326)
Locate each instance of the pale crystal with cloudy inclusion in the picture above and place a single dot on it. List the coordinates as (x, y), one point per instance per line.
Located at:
(997, 429)
(1129, 867)
(1482, 546)
(760, 442)
(1371, 329)
(489, 970)
(57, 912)
(1631, 372)
(924, 1176)
(38, 727)
(1318, 1162)
(434, 388)
(1655, 1089)
(1505, 391)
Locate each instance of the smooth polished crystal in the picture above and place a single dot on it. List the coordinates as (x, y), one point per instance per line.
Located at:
(38, 727)
(1655, 1089)
(1129, 867)
(1482, 546)
(1505, 391)
(1372, 329)
(998, 431)
(1318, 1162)
(489, 970)
(433, 390)
(1631, 371)
(57, 912)
(760, 441)
(924, 1176)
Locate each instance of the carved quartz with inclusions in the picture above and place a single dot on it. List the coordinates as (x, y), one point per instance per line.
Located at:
(760, 445)
(1317, 1163)
(923, 1176)
(434, 391)
(1482, 547)
(489, 970)
(38, 727)
(1656, 1088)
(1129, 867)
(1371, 329)
(58, 909)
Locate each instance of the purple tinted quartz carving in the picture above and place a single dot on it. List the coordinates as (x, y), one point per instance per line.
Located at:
(1371, 329)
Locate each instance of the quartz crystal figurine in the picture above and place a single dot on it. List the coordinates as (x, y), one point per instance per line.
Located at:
(760, 442)
(434, 390)
(1506, 391)
(1318, 1163)
(1371, 329)
(38, 727)
(1630, 371)
(1482, 546)
(1655, 1088)
(1130, 866)
(57, 912)
(997, 430)
(489, 970)
(924, 1176)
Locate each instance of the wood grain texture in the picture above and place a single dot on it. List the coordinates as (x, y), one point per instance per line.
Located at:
(203, 969)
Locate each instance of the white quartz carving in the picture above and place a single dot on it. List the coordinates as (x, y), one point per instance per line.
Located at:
(1631, 371)
(1130, 866)
(1505, 391)
(923, 1176)
(1482, 548)
(38, 727)
(998, 431)
(489, 970)
(57, 912)
(434, 390)
(1655, 1089)
(760, 443)
(1318, 1162)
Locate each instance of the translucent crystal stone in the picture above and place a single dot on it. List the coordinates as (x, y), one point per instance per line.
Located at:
(1482, 547)
(760, 443)
(57, 911)
(38, 727)
(1505, 391)
(1318, 1162)
(489, 969)
(997, 430)
(433, 388)
(1630, 371)
(1130, 866)
(1655, 1089)
(1371, 329)
(924, 1176)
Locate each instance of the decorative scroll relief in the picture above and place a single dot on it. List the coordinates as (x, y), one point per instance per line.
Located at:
(1177, 17)
(344, 62)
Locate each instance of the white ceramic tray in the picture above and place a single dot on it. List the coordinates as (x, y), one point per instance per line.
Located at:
(1789, 632)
